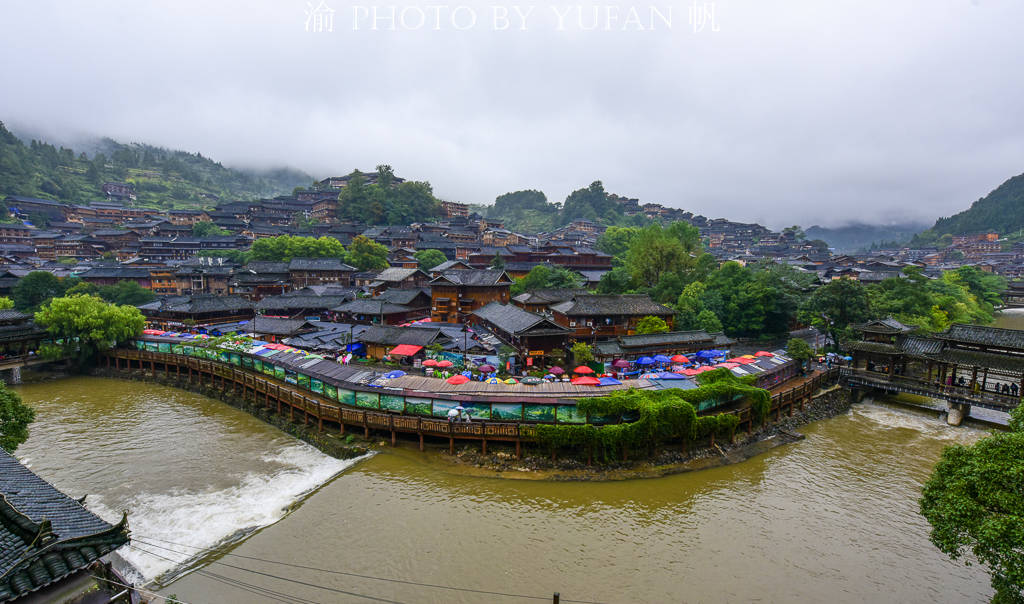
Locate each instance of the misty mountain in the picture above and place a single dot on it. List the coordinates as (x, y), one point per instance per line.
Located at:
(854, 237)
(161, 177)
(1001, 211)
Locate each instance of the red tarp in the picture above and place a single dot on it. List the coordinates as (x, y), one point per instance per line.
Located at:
(763, 353)
(405, 350)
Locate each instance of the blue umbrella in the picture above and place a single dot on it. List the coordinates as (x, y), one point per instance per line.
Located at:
(607, 381)
(847, 358)
(394, 374)
(468, 374)
(668, 375)
(645, 361)
(660, 358)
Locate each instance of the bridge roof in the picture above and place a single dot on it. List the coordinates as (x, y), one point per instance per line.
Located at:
(984, 336)
(875, 347)
(990, 360)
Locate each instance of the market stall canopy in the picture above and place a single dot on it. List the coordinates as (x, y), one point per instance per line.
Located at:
(668, 375)
(486, 368)
(620, 363)
(608, 381)
(660, 358)
(763, 353)
(583, 369)
(586, 380)
(556, 370)
(457, 379)
(405, 350)
(430, 363)
(444, 364)
(680, 359)
(645, 361)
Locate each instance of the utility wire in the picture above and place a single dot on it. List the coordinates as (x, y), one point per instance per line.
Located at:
(348, 574)
(306, 583)
(145, 591)
(248, 587)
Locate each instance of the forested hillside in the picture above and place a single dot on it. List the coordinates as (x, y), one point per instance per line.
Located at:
(1001, 211)
(161, 177)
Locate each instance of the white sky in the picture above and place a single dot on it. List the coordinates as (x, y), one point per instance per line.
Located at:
(817, 111)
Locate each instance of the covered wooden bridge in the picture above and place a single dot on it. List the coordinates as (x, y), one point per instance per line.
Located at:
(967, 365)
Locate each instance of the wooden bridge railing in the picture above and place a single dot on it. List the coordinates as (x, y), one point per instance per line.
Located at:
(924, 387)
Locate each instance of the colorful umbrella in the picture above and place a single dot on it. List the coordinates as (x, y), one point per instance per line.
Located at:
(649, 376)
(486, 368)
(608, 381)
(511, 381)
(763, 353)
(556, 370)
(583, 369)
(430, 363)
(680, 359)
(457, 379)
(445, 364)
(620, 363)
(728, 365)
(531, 381)
(586, 380)
(668, 375)
(645, 361)
(492, 380)
(394, 374)
(660, 358)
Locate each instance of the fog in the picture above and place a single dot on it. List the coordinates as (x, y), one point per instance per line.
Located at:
(791, 112)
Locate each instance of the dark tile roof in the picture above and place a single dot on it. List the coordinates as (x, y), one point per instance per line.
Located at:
(667, 339)
(473, 278)
(45, 535)
(921, 346)
(625, 304)
(368, 306)
(308, 301)
(888, 325)
(9, 314)
(278, 327)
(392, 336)
(548, 296)
(394, 274)
(319, 264)
(260, 266)
(405, 296)
(198, 304)
(514, 320)
(984, 336)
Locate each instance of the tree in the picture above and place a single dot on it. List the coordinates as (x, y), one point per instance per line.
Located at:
(615, 241)
(15, 416)
(6, 303)
(582, 353)
(126, 292)
(366, 254)
(835, 306)
(35, 288)
(708, 321)
(286, 247)
(651, 324)
(974, 501)
(652, 252)
(545, 276)
(87, 325)
(428, 259)
(497, 262)
(799, 350)
(205, 228)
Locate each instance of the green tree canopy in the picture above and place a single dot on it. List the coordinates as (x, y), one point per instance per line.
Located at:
(650, 324)
(6, 302)
(366, 254)
(835, 306)
(15, 416)
(126, 292)
(206, 228)
(582, 352)
(974, 501)
(35, 288)
(87, 324)
(615, 241)
(286, 247)
(385, 202)
(544, 276)
(428, 259)
(799, 350)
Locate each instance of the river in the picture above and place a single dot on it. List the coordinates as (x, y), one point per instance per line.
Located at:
(833, 517)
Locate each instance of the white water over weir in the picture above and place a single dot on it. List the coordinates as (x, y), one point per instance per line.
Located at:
(189, 470)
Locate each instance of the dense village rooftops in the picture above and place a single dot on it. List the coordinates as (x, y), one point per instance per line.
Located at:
(449, 265)
(405, 296)
(45, 536)
(264, 267)
(473, 278)
(548, 296)
(610, 305)
(515, 321)
(392, 336)
(278, 326)
(198, 304)
(115, 272)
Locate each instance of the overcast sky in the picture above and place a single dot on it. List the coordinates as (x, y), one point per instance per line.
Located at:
(818, 111)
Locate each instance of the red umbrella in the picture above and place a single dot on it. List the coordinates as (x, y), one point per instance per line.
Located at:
(444, 364)
(486, 368)
(457, 379)
(556, 370)
(430, 363)
(621, 363)
(585, 381)
(583, 369)
(680, 359)
(763, 353)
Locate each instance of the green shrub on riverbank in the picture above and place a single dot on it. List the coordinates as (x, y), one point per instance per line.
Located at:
(662, 415)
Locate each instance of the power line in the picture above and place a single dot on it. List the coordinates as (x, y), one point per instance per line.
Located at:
(263, 591)
(256, 572)
(145, 591)
(348, 574)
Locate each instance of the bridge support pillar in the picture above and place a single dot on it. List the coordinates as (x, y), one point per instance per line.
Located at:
(957, 413)
(15, 375)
